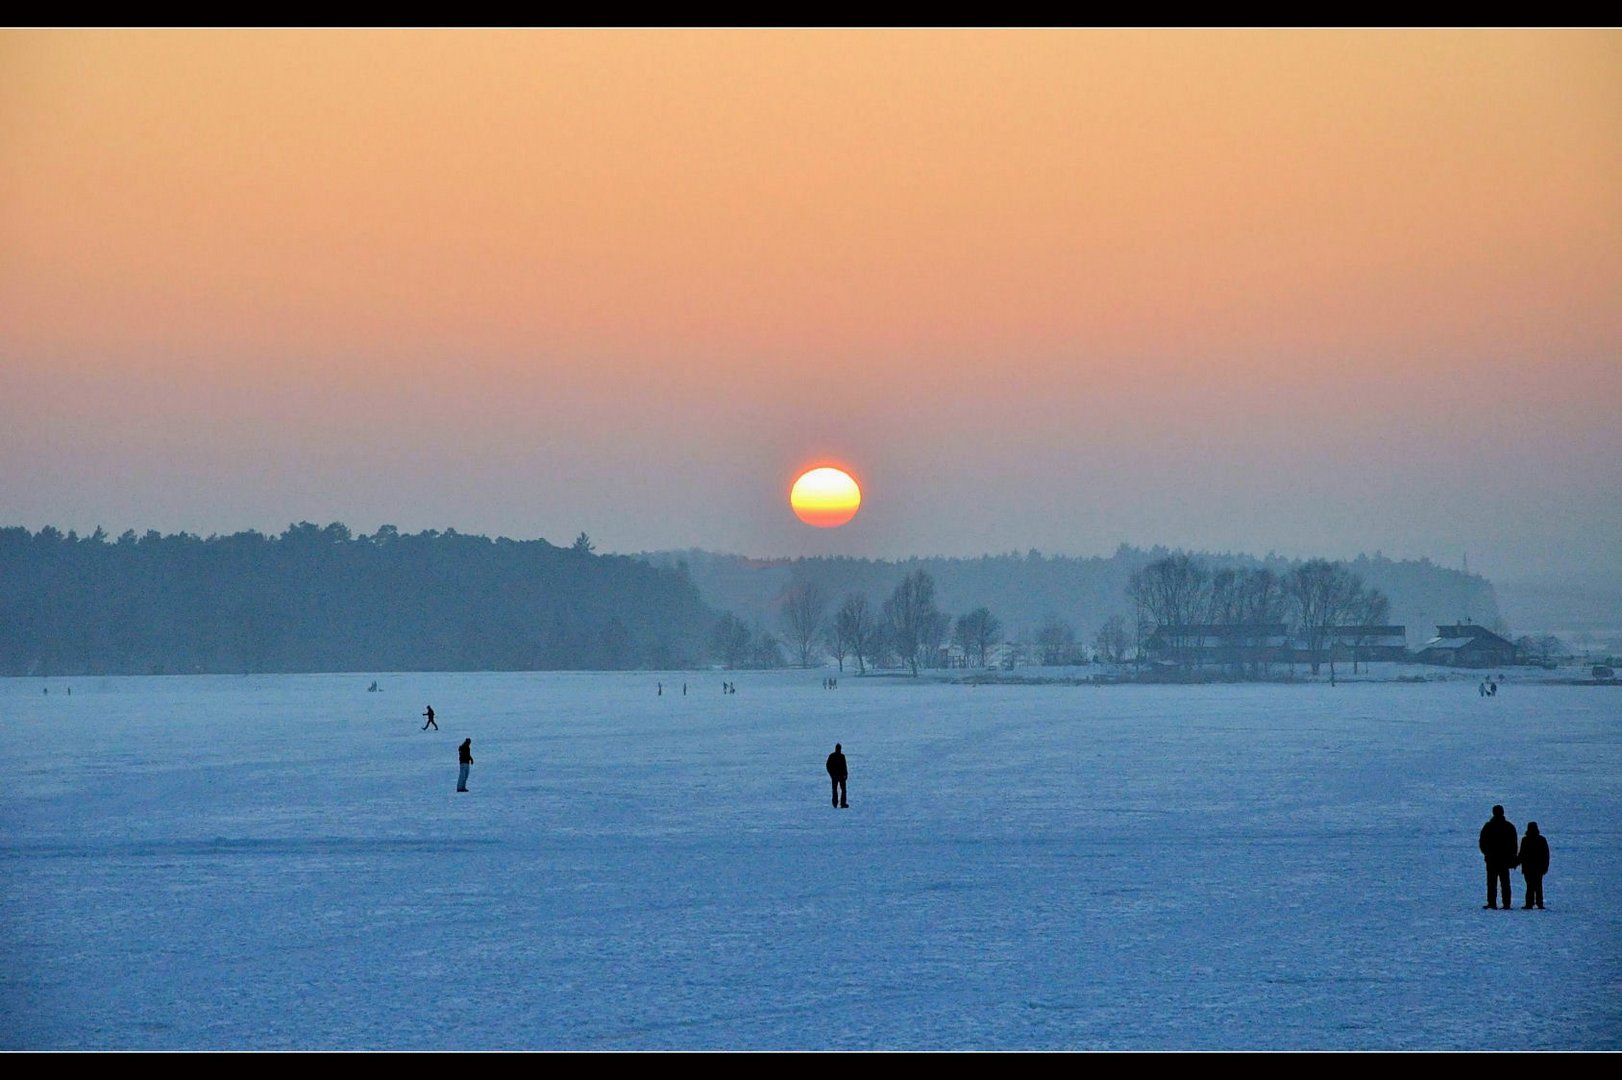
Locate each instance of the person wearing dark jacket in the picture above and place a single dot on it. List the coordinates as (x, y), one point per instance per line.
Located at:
(1498, 841)
(1534, 860)
(464, 754)
(837, 773)
(429, 713)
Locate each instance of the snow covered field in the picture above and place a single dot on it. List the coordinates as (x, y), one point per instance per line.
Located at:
(282, 861)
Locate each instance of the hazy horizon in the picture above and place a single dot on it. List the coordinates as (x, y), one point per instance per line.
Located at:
(561, 540)
(1316, 292)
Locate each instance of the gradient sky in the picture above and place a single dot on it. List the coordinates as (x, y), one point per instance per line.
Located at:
(1312, 292)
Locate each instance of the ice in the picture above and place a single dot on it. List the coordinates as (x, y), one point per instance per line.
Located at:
(283, 862)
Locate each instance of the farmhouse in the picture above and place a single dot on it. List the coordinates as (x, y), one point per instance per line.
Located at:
(1466, 645)
(1271, 643)
(1219, 643)
(1367, 643)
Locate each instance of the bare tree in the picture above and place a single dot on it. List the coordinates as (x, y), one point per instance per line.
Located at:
(1113, 640)
(1057, 642)
(837, 646)
(1260, 606)
(853, 630)
(1368, 611)
(731, 639)
(977, 633)
(1542, 649)
(911, 619)
(1172, 593)
(1224, 598)
(1327, 597)
(804, 606)
(765, 651)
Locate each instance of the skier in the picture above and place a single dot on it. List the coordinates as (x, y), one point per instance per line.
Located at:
(430, 715)
(1497, 843)
(1534, 860)
(837, 772)
(464, 754)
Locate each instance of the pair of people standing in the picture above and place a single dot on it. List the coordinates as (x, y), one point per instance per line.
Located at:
(1498, 845)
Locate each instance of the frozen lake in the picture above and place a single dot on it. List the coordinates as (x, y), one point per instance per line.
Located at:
(282, 861)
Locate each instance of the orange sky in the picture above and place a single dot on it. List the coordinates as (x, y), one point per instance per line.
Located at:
(1151, 286)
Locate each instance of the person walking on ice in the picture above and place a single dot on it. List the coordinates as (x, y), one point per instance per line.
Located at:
(1534, 860)
(464, 754)
(837, 772)
(429, 713)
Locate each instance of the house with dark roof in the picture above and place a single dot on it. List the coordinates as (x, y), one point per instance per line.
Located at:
(1367, 643)
(1466, 645)
(1272, 643)
(1219, 643)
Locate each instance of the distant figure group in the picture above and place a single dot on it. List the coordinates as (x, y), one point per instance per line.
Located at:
(830, 684)
(838, 771)
(1498, 845)
(1488, 688)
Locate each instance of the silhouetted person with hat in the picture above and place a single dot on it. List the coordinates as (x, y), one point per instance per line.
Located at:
(837, 772)
(1498, 843)
(464, 754)
(429, 713)
(1534, 860)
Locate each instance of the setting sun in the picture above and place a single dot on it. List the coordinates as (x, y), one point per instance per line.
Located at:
(825, 497)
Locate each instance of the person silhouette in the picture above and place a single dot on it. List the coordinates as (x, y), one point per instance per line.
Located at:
(464, 755)
(429, 713)
(837, 772)
(1497, 843)
(1534, 860)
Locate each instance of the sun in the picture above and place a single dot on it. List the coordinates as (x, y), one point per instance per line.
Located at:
(825, 497)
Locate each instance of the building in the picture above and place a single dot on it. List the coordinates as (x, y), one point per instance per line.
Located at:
(1217, 643)
(1466, 645)
(1367, 643)
(1271, 643)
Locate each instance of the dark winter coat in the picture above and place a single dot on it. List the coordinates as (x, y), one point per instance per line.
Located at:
(1534, 855)
(464, 754)
(836, 765)
(1498, 841)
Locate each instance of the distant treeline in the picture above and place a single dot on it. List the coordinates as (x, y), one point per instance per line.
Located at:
(322, 599)
(1030, 591)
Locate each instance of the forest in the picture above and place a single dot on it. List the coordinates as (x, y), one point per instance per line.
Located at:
(319, 598)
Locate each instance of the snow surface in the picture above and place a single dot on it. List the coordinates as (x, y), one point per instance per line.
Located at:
(282, 861)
